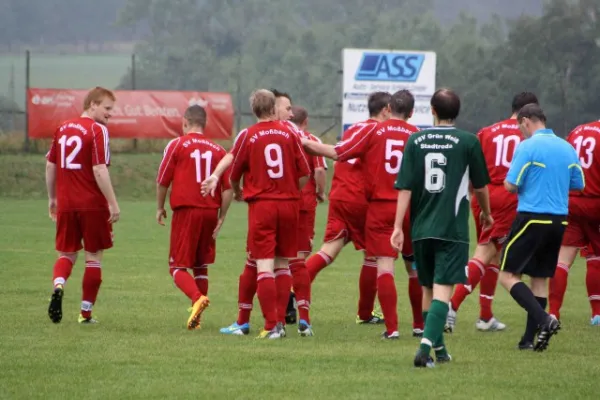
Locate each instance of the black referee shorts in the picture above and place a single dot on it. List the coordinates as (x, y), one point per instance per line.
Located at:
(533, 245)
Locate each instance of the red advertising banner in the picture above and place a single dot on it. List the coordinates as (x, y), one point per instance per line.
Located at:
(137, 113)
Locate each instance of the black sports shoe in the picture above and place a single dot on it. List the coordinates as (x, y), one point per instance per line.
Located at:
(423, 360)
(547, 330)
(55, 307)
(525, 345)
(290, 314)
(443, 358)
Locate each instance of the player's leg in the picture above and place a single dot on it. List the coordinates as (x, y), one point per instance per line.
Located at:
(267, 297)
(425, 261)
(487, 290)
(201, 278)
(68, 243)
(476, 268)
(300, 275)
(592, 283)
(336, 237)
(415, 291)
(558, 283)
(388, 296)
(97, 237)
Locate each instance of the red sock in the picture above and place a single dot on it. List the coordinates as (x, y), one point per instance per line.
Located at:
(388, 298)
(301, 286)
(367, 287)
(185, 282)
(283, 282)
(487, 290)
(246, 292)
(415, 294)
(558, 287)
(201, 278)
(592, 282)
(476, 270)
(267, 297)
(62, 270)
(92, 279)
(316, 263)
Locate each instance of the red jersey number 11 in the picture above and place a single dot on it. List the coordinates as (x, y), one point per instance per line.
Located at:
(198, 157)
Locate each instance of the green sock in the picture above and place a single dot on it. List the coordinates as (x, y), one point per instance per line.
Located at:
(434, 326)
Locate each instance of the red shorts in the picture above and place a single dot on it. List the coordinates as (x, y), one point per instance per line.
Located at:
(192, 244)
(91, 226)
(504, 211)
(582, 232)
(273, 229)
(381, 216)
(346, 220)
(306, 230)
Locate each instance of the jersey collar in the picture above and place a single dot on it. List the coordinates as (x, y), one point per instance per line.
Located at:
(544, 132)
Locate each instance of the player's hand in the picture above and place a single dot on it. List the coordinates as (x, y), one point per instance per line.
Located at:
(160, 214)
(397, 240)
(209, 186)
(52, 209)
(321, 197)
(115, 213)
(486, 221)
(218, 228)
(237, 195)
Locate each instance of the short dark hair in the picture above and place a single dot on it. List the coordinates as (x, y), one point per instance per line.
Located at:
(533, 112)
(522, 99)
(446, 104)
(278, 94)
(377, 102)
(300, 115)
(195, 116)
(402, 103)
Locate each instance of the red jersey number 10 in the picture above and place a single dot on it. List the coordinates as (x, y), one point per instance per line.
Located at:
(504, 151)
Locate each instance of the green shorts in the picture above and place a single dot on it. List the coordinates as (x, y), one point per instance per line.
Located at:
(441, 261)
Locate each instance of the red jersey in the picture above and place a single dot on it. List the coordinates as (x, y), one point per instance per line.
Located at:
(78, 145)
(348, 183)
(380, 151)
(309, 191)
(271, 158)
(498, 143)
(585, 138)
(187, 161)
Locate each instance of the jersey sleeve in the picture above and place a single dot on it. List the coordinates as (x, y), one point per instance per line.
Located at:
(166, 170)
(355, 145)
(319, 162)
(519, 165)
(237, 143)
(406, 176)
(240, 162)
(100, 145)
(478, 172)
(225, 179)
(51, 155)
(302, 165)
(577, 178)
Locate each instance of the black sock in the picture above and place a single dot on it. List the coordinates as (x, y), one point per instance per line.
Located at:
(525, 298)
(531, 327)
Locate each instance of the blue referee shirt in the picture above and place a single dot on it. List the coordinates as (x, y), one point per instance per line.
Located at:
(544, 168)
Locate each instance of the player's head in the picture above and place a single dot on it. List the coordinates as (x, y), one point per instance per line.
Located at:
(98, 104)
(300, 117)
(379, 106)
(522, 99)
(445, 106)
(194, 119)
(262, 102)
(402, 104)
(283, 105)
(531, 118)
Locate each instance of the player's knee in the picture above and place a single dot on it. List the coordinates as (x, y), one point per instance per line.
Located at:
(96, 257)
(69, 256)
(332, 249)
(174, 270)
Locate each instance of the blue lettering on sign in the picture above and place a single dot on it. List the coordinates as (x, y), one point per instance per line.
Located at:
(391, 67)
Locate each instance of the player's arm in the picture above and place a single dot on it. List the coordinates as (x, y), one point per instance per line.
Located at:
(519, 167)
(51, 179)
(319, 149)
(226, 199)
(479, 178)
(166, 171)
(577, 181)
(210, 184)
(238, 168)
(321, 182)
(404, 183)
(100, 161)
(302, 165)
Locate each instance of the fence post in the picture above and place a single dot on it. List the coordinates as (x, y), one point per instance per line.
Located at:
(27, 84)
(135, 141)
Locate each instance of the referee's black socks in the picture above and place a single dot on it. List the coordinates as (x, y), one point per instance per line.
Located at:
(525, 298)
(532, 326)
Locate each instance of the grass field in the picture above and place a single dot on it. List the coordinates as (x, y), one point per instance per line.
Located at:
(73, 71)
(142, 350)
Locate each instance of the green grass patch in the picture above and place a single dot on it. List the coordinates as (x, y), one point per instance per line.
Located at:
(142, 350)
